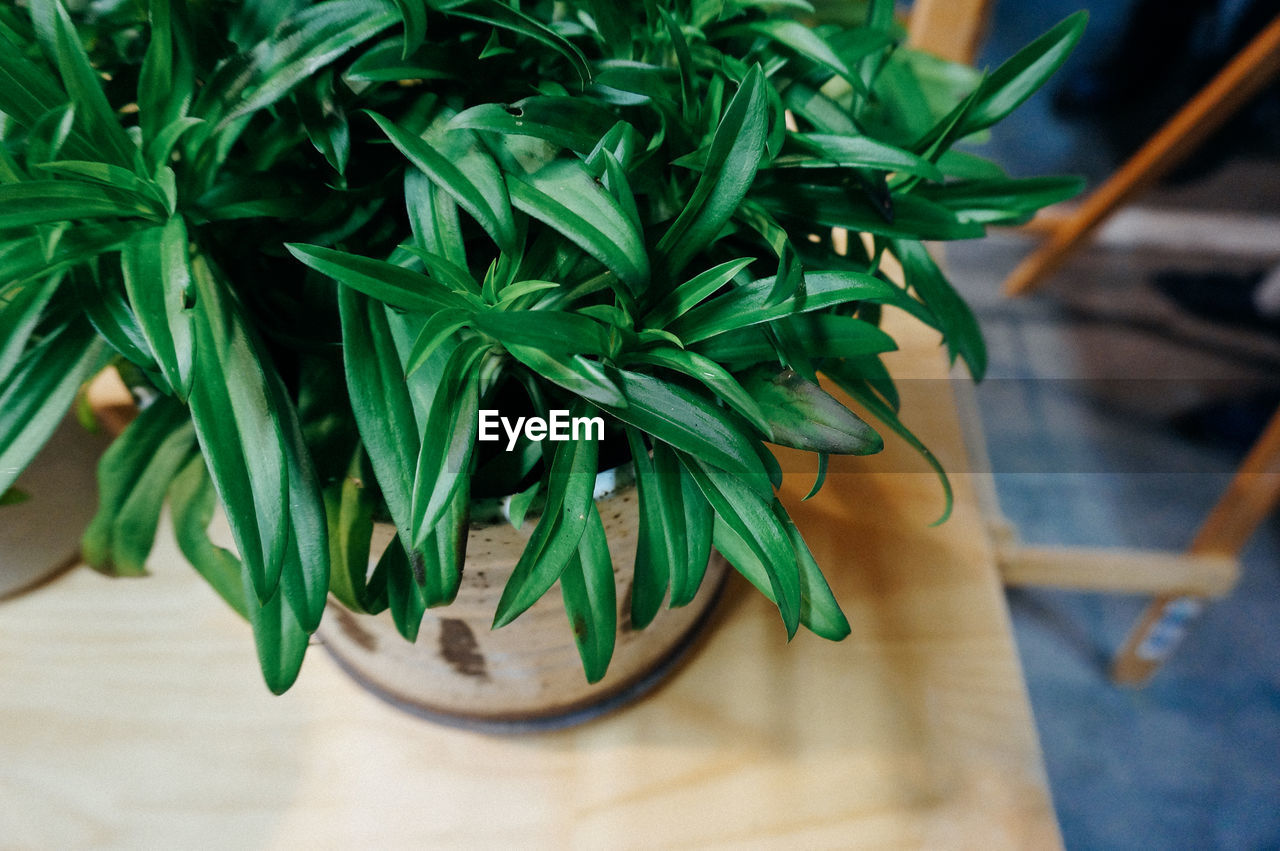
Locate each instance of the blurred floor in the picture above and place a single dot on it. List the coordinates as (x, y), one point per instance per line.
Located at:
(1114, 417)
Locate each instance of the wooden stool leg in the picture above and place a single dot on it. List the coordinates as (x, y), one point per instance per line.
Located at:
(1250, 497)
(951, 29)
(1243, 77)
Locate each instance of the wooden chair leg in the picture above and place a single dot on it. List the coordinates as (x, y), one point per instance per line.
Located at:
(1251, 496)
(1243, 77)
(951, 29)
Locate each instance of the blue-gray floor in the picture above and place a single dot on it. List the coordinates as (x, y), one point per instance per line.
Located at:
(1114, 418)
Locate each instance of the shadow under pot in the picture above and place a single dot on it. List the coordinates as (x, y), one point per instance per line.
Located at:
(527, 675)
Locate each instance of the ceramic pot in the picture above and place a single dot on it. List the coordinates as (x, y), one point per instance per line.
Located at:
(40, 538)
(526, 675)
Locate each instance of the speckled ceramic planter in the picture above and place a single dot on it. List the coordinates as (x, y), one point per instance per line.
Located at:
(526, 675)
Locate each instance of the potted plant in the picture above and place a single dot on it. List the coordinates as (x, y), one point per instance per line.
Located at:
(412, 261)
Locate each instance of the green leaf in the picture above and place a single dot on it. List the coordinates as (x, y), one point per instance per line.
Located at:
(614, 26)
(1019, 77)
(240, 433)
(711, 375)
(30, 258)
(166, 82)
(135, 520)
(325, 120)
(751, 519)
(42, 201)
(448, 273)
(38, 393)
(114, 177)
(553, 331)
(349, 506)
(157, 276)
(433, 216)
(281, 641)
(446, 550)
(191, 504)
(660, 545)
(790, 277)
(385, 62)
(102, 299)
(505, 17)
(804, 416)
(590, 598)
(819, 479)
(747, 305)
(842, 207)
(819, 611)
(566, 122)
(684, 297)
(20, 312)
(1005, 201)
(689, 423)
(578, 375)
(305, 43)
(563, 195)
(438, 328)
(395, 285)
(84, 86)
(414, 15)
(826, 150)
(121, 471)
(469, 174)
(689, 511)
(736, 152)
(511, 293)
(519, 504)
(851, 381)
(690, 107)
(956, 321)
(27, 91)
(406, 598)
(555, 539)
(304, 577)
(447, 441)
(380, 401)
(803, 40)
(825, 335)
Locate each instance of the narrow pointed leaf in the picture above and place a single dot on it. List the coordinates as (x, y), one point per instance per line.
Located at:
(692, 292)
(85, 87)
(387, 282)
(192, 500)
(688, 422)
(560, 528)
(120, 470)
(564, 196)
(157, 277)
(736, 152)
(659, 545)
(37, 394)
(590, 598)
(1019, 77)
(239, 432)
(474, 180)
(752, 519)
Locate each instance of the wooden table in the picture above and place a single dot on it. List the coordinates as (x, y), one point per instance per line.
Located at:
(132, 715)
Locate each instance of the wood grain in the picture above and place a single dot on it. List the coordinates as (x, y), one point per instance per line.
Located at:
(131, 713)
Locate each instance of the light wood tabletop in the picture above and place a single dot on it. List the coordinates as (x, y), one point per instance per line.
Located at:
(132, 714)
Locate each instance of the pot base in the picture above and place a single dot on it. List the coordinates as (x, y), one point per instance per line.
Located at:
(556, 718)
